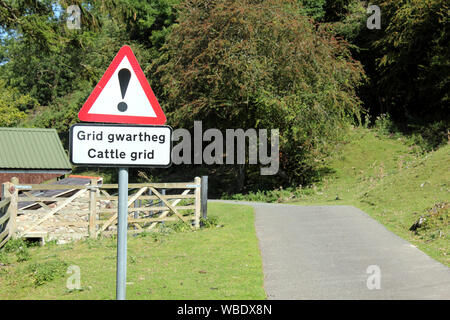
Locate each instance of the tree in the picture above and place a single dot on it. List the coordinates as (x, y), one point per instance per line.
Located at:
(259, 64)
(12, 106)
(413, 59)
(408, 61)
(58, 67)
(41, 56)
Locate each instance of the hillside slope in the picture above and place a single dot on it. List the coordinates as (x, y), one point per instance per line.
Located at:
(395, 184)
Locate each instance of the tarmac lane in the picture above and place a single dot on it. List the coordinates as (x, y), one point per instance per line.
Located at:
(340, 252)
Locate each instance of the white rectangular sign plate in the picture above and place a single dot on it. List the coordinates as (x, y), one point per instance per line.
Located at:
(117, 145)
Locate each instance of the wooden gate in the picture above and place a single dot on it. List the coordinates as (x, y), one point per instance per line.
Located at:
(146, 217)
(91, 210)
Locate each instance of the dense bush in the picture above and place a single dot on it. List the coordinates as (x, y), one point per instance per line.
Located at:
(260, 64)
(12, 105)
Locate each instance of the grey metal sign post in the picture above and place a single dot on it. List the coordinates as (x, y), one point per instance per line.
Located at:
(122, 146)
(122, 227)
(124, 97)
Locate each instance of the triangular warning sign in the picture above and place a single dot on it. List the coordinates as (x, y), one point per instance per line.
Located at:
(123, 95)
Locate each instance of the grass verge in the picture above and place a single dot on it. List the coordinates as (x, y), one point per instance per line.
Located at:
(213, 263)
(390, 179)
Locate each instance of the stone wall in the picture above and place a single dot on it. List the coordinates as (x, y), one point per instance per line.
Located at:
(62, 234)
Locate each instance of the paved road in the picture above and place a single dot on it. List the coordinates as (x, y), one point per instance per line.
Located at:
(323, 252)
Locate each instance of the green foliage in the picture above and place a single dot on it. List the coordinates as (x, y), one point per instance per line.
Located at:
(61, 114)
(14, 245)
(209, 222)
(54, 67)
(92, 243)
(12, 105)
(347, 20)
(23, 254)
(147, 21)
(313, 8)
(51, 243)
(384, 124)
(19, 247)
(386, 178)
(180, 226)
(36, 53)
(43, 272)
(156, 236)
(435, 223)
(426, 136)
(4, 259)
(327, 10)
(431, 135)
(336, 10)
(238, 64)
(411, 74)
(271, 196)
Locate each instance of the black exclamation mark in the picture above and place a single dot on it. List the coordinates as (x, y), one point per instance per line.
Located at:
(124, 79)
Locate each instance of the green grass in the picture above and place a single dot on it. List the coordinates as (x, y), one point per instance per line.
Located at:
(390, 179)
(394, 184)
(212, 263)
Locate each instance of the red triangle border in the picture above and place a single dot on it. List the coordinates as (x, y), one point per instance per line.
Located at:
(160, 118)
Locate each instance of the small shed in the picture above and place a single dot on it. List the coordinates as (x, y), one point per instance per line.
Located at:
(33, 155)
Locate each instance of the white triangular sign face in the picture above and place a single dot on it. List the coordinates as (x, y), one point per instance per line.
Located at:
(123, 95)
(135, 98)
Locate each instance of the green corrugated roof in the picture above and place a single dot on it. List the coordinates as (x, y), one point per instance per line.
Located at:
(32, 148)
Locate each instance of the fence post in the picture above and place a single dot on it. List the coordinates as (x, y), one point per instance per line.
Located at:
(204, 197)
(136, 204)
(161, 204)
(5, 193)
(150, 203)
(3, 211)
(136, 213)
(93, 208)
(13, 194)
(198, 204)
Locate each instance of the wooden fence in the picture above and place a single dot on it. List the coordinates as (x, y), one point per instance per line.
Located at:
(4, 219)
(148, 205)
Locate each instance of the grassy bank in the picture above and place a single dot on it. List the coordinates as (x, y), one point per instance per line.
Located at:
(213, 263)
(390, 179)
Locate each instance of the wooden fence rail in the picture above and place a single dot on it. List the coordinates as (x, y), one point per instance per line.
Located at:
(172, 185)
(148, 206)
